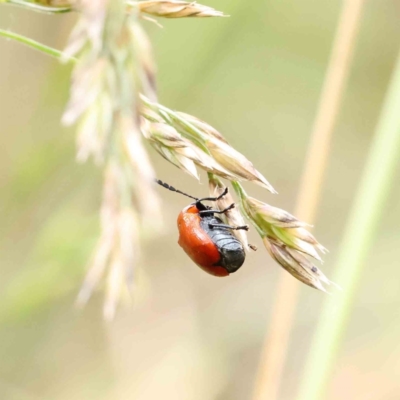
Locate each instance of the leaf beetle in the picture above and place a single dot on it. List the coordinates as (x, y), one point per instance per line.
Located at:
(206, 239)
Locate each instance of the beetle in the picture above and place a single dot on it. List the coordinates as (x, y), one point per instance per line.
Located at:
(206, 239)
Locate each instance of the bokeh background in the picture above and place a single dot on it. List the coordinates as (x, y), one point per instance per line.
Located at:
(256, 77)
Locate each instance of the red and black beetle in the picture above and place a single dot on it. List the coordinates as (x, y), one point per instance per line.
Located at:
(206, 239)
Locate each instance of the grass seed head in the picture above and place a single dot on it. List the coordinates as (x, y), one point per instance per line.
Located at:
(236, 163)
(262, 212)
(178, 150)
(175, 9)
(281, 225)
(285, 238)
(143, 55)
(296, 264)
(114, 65)
(202, 126)
(118, 248)
(171, 145)
(222, 159)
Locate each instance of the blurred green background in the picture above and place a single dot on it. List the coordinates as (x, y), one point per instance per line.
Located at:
(256, 77)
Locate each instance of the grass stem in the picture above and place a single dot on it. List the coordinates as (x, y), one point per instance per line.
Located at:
(357, 240)
(39, 7)
(33, 44)
(277, 337)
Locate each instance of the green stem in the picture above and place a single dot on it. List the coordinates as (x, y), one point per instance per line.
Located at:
(242, 195)
(35, 45)
(39, 7)
(239, 190)
(356, 244)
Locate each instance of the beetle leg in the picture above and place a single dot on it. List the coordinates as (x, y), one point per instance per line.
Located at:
(215, 198)
(235, 228)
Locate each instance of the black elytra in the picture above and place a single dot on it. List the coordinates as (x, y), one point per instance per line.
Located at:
(229, 246)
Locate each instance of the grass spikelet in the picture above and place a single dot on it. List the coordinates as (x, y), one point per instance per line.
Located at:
(285, 238)
(114, 65)
(175, 9)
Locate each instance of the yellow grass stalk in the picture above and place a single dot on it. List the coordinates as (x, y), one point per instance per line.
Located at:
(277, 337)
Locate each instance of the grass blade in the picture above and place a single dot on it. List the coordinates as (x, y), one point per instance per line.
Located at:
(358, 237)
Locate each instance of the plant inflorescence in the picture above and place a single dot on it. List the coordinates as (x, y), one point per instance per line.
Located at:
(114, 104)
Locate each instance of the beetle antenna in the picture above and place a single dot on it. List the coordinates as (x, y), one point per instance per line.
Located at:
(172, 189)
